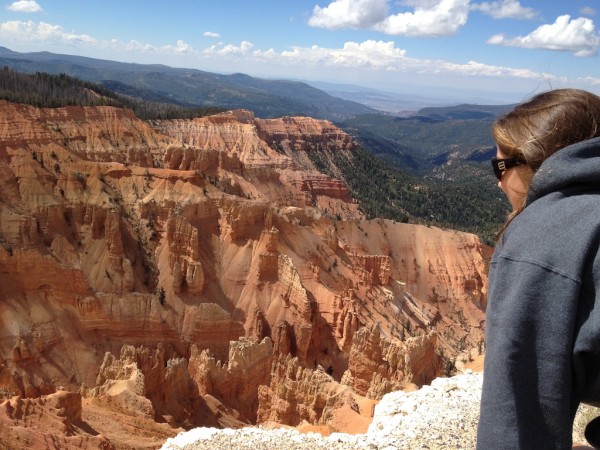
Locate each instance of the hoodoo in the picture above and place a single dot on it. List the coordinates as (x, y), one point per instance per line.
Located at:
(160, 276)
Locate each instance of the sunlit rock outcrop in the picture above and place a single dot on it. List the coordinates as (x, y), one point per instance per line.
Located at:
(204, 271)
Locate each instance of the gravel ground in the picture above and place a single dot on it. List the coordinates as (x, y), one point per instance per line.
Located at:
(440, 416)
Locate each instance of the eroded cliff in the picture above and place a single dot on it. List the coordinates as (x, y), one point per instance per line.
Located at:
(204, 272)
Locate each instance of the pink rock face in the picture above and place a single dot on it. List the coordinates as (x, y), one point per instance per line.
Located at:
(193, 272)
(264, 158)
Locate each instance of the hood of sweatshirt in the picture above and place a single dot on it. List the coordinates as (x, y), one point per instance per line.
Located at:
(576, 167)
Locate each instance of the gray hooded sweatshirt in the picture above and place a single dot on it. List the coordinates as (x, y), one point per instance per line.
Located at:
(543, 316)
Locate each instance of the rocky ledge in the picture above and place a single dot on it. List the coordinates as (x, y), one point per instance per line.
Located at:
(442, 415)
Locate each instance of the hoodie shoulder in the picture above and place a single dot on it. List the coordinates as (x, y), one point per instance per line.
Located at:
(576, 167)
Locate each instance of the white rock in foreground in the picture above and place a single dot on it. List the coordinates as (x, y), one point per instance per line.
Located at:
(443, 415)
(440, 416)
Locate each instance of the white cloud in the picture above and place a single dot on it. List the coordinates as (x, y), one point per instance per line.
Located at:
(349, 14)
(212, 34)
(430, 17)
(134, 46)
(371, 54)
(385, 57)
(441, 19)
(505, 9)
(591, 80)
(40, 32)
(28, 6)
(427, 4)
(48, 34)
(182, 47)
(578, 36)
(379, 58)
(229, 50)
(473, 68)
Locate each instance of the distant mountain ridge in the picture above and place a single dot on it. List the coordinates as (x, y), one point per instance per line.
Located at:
(192, 87)
(465, 111)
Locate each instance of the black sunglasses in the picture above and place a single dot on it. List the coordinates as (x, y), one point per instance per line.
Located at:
(501, 165)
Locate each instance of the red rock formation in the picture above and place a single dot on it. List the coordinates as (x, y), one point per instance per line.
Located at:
(297, 394)
(378, 365)
(302, 133)
(163, 244)
(376, 268)
(237, 381)
(263, 158)
(148, 384)
(53, 420)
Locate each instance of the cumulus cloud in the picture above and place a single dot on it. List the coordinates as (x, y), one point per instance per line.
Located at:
(28, 6)
(182, 47)
(427, 4)
(578, 36)
(505, 9)
(374, 55)
(474, 68)
(441, 19)
(371, 54)
(212, 34)
(386, 57)
(430, 17)
(379, 56)
(244, 48)
(349, 14)
(40, 32)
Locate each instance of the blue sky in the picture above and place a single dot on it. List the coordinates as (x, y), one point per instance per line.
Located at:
(506, 49)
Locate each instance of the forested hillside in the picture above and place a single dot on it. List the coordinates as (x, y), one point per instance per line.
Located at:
(52, 91)
(472, 203)
(445, 152)
(421, 143)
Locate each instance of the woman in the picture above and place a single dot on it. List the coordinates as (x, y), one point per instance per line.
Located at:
(543, 317)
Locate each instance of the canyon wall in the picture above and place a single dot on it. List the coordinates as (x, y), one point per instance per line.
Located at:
(165, 275)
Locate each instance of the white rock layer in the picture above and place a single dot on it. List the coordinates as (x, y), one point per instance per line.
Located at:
(440, 416)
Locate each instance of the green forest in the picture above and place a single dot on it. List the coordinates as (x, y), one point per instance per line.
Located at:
(432, 168)
(468, 204)
(53, 91)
